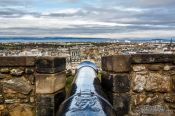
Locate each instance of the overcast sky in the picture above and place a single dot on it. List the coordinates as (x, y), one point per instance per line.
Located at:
(88, 18)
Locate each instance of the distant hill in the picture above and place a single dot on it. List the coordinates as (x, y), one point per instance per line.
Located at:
(78, 39)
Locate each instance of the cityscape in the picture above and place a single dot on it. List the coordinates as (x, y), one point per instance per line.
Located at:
(75, 52)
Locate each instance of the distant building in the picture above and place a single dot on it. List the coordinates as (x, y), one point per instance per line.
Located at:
(75, 56)
(32, 52)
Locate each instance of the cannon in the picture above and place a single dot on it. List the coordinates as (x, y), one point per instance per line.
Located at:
(86, 97)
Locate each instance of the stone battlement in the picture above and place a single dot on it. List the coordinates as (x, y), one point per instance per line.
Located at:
(31, 86)
(135, 84)
(140, 84)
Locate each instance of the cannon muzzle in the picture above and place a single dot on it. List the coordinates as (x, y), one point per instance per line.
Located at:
(86, 97)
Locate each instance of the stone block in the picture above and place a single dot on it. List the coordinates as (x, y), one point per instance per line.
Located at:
(155, 67)
(31, 78)
(118, 63)
(47, 105)
(16, 100)
(174, 60)
(138, 68)
(1, 88)
(2, 107)
(20, 85)
(3, 76)
(153, 110)
(152, 58)
(49, 83)
(1, 99)
(11, 101)
(116, 82)
(152, 99)
(138, 99)
(32, 99)
(45, 111)
(17, 61)
(157, 82)
(50, 64)
(21, 110)
(139, 82)
(121, 103)
(4, 70)
(169, 67)
(16, 72)
(152, 82)
(29, 71)
(8, 90)
(173, 84)
(172, 106)
(170, 98)
(4, 113)
(30, 61)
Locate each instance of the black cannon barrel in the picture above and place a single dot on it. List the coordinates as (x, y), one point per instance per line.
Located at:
(86, 97)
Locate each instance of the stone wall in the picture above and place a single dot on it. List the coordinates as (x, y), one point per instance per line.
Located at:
(141, 84)
(31, 86)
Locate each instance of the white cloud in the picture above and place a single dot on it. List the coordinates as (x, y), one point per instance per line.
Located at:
(130, 9)
(66, 11)
(28, 21)
(135, 34)
(156, 2)
(134, 18)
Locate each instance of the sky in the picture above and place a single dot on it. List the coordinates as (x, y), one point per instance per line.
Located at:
(88, 18)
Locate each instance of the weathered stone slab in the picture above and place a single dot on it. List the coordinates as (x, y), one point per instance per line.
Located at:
(116, 82)
(20, 85)
(50, 83)
(17, 61)
(50, 64)
(152, 58)
(121, 103)
(48, 104)
(118, 63)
